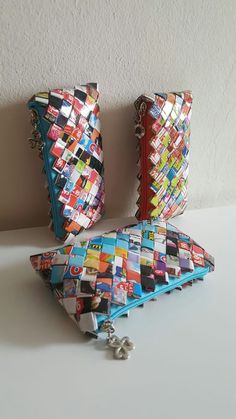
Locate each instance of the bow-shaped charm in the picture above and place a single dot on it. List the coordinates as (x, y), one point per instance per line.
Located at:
(122, 346)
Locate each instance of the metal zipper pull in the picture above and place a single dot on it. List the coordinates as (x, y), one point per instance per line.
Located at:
(121, 346)
(139, 128)
(35, 140)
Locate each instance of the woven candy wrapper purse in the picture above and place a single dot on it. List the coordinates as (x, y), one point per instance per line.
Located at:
(101, 279)
(66, 129)
(163, 130)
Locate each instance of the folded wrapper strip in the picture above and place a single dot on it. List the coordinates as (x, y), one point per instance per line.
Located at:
(104, 277)
(163, 132)
(67, 128)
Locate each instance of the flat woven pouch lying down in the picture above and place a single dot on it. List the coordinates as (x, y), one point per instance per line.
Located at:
(101, 279)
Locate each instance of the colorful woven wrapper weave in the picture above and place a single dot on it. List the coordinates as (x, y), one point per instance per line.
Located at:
(163, 132)
(66, 127)
(104, 277)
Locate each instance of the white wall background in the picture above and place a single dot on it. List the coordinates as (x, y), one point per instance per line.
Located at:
(130, 47)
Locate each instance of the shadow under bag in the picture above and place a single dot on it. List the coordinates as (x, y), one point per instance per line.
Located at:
(66, 129)
(163, 132)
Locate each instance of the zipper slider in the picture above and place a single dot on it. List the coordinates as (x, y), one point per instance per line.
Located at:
(121, 346)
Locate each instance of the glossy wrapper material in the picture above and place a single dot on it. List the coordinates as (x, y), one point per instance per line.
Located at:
(163, 132)
(67, 128)
(103, 278)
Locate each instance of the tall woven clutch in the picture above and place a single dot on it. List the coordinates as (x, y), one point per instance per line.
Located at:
(163, 132)
(103, 278)
(66, 128)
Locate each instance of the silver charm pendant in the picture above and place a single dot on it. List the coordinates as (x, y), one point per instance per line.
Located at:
(121, 346)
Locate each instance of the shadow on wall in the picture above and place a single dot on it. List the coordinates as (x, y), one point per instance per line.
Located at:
(120, 161)
(24, 198)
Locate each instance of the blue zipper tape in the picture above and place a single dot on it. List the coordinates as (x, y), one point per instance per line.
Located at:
(48, 160)
(160, 289)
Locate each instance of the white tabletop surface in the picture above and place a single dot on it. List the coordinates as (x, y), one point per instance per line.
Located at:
(184, 365)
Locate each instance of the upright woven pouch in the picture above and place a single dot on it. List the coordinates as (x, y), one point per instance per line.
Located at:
(163, 132)
(66, 129)
(101, 279)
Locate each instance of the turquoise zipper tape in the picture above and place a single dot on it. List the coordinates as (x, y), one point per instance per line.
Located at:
(160, 289)
(58, 220)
